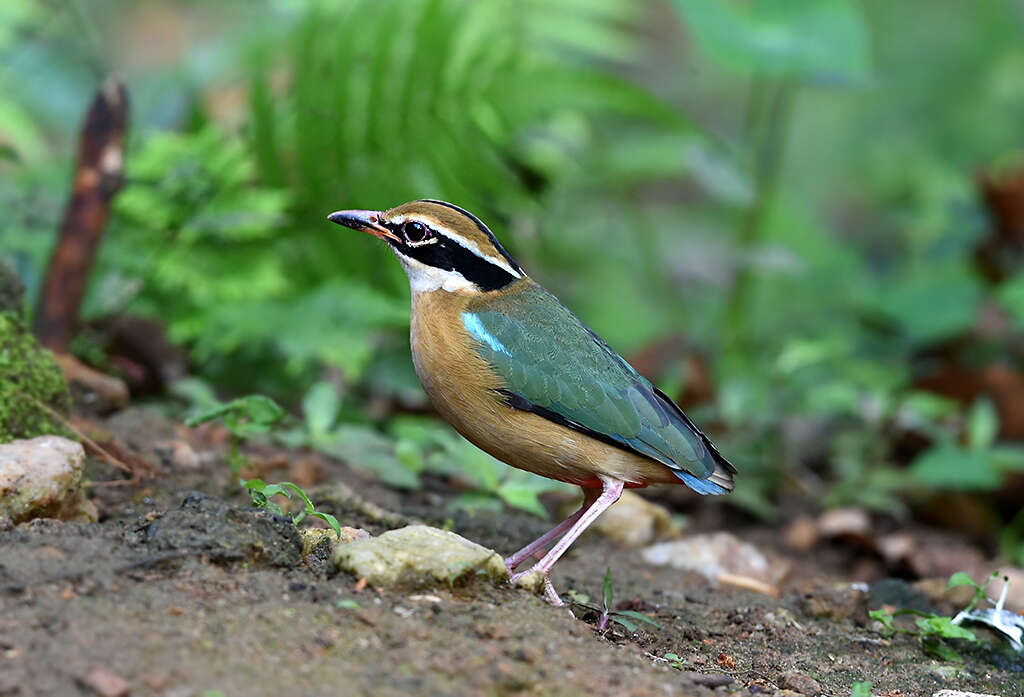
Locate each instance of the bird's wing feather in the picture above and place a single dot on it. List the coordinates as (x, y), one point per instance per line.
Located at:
(555, 366)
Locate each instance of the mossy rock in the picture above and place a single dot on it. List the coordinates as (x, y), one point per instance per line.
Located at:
(29, 378)
(12, 290)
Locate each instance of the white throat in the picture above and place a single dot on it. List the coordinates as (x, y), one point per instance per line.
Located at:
(424, 278)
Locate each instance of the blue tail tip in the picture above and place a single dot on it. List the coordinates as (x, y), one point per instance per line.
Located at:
(701, 486)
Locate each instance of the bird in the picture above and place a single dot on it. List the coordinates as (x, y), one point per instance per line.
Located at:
(517, 374)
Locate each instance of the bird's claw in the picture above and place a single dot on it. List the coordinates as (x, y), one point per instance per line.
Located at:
(549, 591)
(537, 580)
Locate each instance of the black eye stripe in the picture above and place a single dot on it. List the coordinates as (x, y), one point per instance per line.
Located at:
(448, 255)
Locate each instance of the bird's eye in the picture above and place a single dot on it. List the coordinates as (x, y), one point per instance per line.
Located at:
(415, 232)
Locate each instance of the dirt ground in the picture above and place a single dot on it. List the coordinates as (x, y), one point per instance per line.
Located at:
(188, 594)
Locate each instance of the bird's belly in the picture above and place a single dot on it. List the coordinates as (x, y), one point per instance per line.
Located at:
(463, 392)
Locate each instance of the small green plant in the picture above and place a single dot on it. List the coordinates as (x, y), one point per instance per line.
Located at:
(261, 493)
(861, 689)
(675, 661)
(626, 618)
(243, 417)
(934, 629)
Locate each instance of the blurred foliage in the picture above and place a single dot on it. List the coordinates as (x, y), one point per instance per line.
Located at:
(789, 183)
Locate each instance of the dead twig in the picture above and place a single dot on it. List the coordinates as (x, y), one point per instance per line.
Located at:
(89, 442)
(99, 174)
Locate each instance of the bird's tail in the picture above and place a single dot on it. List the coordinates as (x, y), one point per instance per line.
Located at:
(718, 482)
(720, 479)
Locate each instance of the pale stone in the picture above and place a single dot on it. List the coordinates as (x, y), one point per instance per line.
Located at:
(634, 521)
(959, 693)
(844, 521)
(42, 477)
(418, 556)
(720, 557)
(802, 534)
(800, 682)
(107, 684)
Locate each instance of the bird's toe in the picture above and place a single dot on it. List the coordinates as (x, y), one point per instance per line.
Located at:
(551, 594)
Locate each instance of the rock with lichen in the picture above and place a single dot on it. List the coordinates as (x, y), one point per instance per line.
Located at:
(42, 478)
(33, 391)
(418, 555)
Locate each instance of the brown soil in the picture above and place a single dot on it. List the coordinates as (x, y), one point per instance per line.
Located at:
(181, 593)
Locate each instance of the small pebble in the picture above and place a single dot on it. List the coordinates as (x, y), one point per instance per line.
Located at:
(800, 682)
(107, 684)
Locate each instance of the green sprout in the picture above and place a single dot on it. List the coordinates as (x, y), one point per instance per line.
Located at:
(861, 689)
(243, 417)
(931, 628)
(674, 660)
(261, 493)
(626, 618)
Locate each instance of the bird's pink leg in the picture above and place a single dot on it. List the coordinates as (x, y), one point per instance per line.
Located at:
(589, 496)
(610, 492)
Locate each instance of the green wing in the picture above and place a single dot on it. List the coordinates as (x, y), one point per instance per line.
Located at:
(555, 366)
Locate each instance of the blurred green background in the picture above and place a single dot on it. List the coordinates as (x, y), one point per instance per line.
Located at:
(772, 206)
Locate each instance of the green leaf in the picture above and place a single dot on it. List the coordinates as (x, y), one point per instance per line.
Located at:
(473, 501)
(276, 490)
(577, 597)
(410, 455)
(982, 424)
(522, 495)
(607, 589)
(616, 617)
(883, 616)
(909, 300)
(365, 448)
(933, 646)
(640, 617)
(954, 468)
(961, 578)
(1009, 458)
(822, 41)
(320, 408)
(460, 457)
(1011, 297)
(330, 520)
(243, 416)
(210, 414)
(937, 625)
(197, 392)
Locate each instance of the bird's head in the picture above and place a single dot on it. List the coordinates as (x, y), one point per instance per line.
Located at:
(440, 245)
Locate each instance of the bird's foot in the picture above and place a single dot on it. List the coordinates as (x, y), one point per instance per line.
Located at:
(552, 596)
(537, 580)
